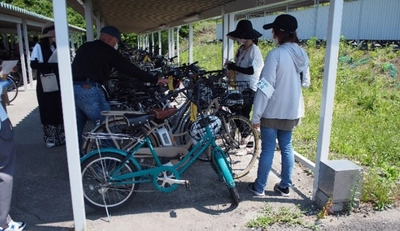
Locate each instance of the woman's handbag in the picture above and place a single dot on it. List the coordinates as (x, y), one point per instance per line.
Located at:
(49, 82)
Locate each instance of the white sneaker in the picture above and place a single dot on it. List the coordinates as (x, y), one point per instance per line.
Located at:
(15, 226)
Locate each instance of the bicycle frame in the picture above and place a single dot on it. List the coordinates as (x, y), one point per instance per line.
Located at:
(147, 175)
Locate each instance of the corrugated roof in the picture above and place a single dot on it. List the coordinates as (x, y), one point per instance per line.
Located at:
(14, 11)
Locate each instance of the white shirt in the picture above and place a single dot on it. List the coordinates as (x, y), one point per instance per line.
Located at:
(250, 57)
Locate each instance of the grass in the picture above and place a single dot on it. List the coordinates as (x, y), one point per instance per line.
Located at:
(283, 215)
(366, 112)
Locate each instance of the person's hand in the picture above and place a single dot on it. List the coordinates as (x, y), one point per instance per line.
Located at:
(256, 126)
(227, 62)
(231, 66)
(162, 82)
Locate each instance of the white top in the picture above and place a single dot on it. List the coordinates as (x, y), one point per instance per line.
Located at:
(250, 57)
(37, 53)
(282, 70)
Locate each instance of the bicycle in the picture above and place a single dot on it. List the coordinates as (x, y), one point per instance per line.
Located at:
(111, 177)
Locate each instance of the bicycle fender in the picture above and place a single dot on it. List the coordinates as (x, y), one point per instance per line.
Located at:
(112, 150)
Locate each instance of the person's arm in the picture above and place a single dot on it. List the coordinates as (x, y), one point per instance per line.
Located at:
(130, 69)
(244, 70)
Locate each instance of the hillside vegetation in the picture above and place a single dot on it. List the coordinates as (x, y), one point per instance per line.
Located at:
(366, 108)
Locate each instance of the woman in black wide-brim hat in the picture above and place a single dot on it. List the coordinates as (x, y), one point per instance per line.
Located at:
(248, 61)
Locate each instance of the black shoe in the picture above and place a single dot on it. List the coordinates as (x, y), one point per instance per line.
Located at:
(283, 191)
(250, 187)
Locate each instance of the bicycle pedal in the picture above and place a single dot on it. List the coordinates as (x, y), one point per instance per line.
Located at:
(187, 185)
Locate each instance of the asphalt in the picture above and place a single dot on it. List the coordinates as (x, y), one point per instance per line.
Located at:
(42, 198)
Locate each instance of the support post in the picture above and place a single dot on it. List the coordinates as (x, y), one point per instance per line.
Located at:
(68, 106)
(328, 93)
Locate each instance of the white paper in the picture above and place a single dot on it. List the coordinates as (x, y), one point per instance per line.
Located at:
(7, 66)
(265, 87)
(53, 58)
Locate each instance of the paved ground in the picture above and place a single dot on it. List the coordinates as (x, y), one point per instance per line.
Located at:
(42, 197)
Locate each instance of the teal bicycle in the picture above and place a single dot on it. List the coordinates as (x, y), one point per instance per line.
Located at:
(111, 177)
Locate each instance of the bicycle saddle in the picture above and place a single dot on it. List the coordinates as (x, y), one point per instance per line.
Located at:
(136, 120)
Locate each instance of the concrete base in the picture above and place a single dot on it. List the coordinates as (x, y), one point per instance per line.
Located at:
(340, 180)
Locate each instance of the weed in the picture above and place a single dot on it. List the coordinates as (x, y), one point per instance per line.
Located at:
(284, 215)
(326, 210)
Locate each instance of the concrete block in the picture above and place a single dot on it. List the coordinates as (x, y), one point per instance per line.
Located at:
(340, 180)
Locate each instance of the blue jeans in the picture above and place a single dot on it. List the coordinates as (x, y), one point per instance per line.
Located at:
(268, 139)
(89, 103)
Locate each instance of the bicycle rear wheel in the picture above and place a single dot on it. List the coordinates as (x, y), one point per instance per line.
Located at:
(240, 141)
(221, 165)
(12, 90)
(99, 191)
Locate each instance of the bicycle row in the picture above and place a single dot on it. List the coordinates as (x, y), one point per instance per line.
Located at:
(162, 131)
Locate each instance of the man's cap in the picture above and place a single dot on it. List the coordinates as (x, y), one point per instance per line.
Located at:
(284, 22)
(113, 31)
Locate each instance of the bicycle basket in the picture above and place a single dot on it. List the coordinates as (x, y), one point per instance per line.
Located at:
(232, 98)
(198, 131)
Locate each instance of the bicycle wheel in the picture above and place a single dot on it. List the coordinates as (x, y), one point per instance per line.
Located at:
(99, 191)
(222, 167)
(12, 90)
(240, 141)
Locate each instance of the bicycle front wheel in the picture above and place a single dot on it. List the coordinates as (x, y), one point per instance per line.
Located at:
(221, 164)
(240, 141)
(99, 190)
(12, 90)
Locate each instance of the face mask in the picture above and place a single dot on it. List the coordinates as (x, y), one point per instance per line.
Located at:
(116, 46)
(276, 41)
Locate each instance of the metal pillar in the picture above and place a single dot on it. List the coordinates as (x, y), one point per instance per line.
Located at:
(328, 93)
(22, 57)
(89, 20)
(190, 54)
(68, 106)
(27, 53)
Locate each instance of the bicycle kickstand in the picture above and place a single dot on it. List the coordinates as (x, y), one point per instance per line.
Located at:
(187, 185)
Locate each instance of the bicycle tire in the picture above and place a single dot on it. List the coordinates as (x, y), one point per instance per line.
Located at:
(221, 164)
(95, 179)
(12, 90)
(241, 156)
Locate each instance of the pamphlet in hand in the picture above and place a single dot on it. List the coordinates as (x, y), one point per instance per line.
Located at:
(53, 58)
(7, 66)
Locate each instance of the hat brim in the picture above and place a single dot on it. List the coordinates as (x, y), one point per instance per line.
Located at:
(268, 26)
(49, 34)
(244, 35)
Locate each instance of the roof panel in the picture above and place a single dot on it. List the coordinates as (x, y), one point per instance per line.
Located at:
(141, 16)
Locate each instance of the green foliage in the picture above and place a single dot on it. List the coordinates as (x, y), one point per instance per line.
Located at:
(45, 8)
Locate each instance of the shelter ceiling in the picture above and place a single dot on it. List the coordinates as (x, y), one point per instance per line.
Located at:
(139, 16)
(142, 16)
